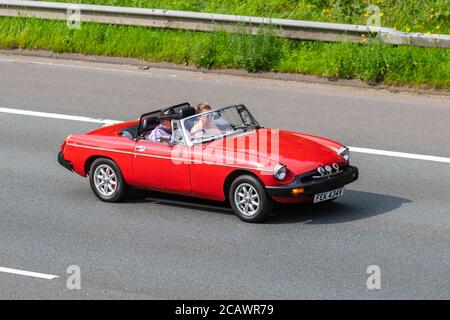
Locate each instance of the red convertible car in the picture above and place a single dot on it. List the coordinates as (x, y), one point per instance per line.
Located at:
(222, 155)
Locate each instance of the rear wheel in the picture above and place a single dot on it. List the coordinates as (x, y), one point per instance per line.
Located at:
(107, 181)
(249, 199)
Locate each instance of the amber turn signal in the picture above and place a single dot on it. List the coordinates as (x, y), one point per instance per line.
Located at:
(297, 191)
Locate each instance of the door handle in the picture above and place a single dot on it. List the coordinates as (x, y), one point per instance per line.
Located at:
(140, 148)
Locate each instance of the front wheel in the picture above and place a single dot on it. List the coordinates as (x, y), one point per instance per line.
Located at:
(249, 199)
(107, 181)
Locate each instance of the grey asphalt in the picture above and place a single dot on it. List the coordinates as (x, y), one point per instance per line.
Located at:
(396, 216)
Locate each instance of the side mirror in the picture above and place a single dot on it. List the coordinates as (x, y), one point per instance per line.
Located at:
(126, 134)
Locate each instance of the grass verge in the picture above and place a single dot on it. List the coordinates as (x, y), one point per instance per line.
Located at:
(371, 62)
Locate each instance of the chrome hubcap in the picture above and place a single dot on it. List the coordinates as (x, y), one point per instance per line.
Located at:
(105, 180)
(247, 199)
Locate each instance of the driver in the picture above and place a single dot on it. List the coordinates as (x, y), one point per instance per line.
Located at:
(205, 124)
(163, 131)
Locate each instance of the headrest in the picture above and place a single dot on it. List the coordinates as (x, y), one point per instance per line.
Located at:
(168, 114)
(186, 112)
(148, 123)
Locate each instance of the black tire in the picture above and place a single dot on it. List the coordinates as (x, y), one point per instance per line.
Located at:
(121, 188)
(253, 186)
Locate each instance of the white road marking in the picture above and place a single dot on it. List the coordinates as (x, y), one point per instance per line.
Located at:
(400, 154)
(75, 66)
(108, 122)
(28, 273)
(57, 116)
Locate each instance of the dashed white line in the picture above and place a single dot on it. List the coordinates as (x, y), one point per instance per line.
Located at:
(107, 122)
(66, 65)
(28, 273)
(400, 154)
(57, 116)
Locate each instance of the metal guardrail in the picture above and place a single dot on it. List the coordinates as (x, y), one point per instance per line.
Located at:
(197, 21)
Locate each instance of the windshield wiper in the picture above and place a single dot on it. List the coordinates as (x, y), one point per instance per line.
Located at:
(243, 126)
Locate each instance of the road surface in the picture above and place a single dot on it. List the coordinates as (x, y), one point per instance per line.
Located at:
(396, 216)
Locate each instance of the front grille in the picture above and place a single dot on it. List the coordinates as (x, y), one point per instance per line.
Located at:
(315, 176)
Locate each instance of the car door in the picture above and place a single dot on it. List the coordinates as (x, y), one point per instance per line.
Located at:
(158, 166)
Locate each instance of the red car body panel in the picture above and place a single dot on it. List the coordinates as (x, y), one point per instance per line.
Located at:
(194, 170)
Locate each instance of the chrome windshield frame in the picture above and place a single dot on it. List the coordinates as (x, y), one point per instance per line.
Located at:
(186, 132)
(184, 140)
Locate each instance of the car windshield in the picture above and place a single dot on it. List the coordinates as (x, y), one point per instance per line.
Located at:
(215, 124)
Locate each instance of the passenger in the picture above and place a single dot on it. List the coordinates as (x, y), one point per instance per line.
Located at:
(203, 107)
(205, 125)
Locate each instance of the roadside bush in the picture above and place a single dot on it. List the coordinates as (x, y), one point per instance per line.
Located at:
(373, 62)
(341, 61)
(256, 53)
(204, 51)
(349, 10)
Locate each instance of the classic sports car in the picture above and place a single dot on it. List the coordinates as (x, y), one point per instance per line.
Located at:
(222, 155)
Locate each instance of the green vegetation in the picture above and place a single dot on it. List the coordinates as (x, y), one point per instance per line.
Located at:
(406, 15)
(371, 62)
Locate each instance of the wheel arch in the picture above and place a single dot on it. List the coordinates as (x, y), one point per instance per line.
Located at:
(89, 161)
(235, 174)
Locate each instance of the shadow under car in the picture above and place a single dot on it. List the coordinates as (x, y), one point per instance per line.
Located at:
(354, 205)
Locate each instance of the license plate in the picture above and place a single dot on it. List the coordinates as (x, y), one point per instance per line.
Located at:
(324, 196)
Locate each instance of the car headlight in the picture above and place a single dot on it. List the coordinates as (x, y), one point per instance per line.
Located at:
(279, 172)
(344, 152)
